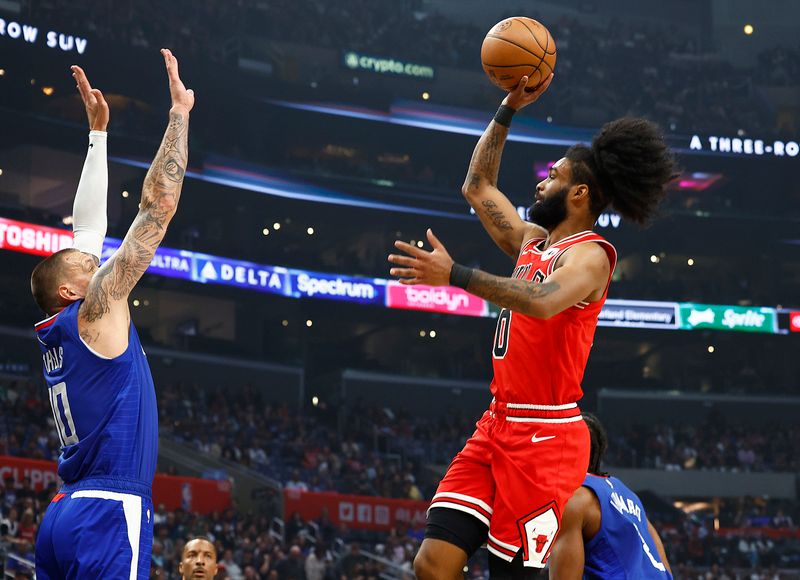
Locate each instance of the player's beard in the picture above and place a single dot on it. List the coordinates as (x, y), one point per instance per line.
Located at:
(551, 211)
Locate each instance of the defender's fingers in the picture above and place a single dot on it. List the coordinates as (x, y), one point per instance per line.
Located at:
(402, 260)
(434, 241)
(409, 249)
(404, 272)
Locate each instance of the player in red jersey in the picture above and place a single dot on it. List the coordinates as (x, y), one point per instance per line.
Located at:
(530, 451)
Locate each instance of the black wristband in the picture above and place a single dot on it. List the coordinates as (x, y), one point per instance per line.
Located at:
(504, 115)
(460, 276)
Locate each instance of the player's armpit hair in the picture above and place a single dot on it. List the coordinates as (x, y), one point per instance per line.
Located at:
(628, 167)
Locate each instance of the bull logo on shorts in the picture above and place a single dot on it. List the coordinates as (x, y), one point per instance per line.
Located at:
(539, 529)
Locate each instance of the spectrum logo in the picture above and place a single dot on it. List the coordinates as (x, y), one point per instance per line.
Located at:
(435, 298)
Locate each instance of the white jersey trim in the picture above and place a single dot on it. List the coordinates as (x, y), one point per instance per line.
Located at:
(93, 351)
(499, 554)
(538, 420)
(541, 407)
(132, 508)
(462, 497)
(511, 547)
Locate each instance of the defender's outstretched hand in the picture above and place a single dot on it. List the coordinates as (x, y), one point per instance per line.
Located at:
(523, 96)
(96, 106)
(182, 98)
(420, 266)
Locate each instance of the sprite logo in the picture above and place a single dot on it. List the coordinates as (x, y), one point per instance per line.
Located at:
(736, 318)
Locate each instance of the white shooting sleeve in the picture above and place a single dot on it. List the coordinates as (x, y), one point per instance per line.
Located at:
(89, 219)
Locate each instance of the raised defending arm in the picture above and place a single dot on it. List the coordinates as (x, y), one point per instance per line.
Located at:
(104, 316)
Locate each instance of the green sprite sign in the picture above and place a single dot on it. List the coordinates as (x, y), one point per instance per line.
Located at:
(736, 318)
(387, 66)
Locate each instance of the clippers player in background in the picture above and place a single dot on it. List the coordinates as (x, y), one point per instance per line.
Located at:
(100, 524)
(509, 485)
(605, 533)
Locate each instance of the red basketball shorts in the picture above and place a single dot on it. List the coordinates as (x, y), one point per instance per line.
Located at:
(516, 474)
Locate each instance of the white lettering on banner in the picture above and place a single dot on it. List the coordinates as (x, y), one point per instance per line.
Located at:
(733, 319)
(244, 275)
(312, 286)
(14, 236)
(432, 297)
(64, 42)
(346, 511)
(382, 515)
(364, 513)
(745, 146)
(170, 263)
(39, 477)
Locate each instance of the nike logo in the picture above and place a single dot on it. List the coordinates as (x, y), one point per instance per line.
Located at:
(536, 439)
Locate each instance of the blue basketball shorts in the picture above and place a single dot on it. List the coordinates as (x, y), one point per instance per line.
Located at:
(88, 534)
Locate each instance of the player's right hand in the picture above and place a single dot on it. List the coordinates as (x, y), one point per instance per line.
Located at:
(522, 96)
(182, 98)
(96, 106)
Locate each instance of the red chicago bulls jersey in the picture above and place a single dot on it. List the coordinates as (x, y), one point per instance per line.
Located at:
(540, 361)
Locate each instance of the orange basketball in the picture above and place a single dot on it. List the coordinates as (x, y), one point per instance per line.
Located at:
(516, 47)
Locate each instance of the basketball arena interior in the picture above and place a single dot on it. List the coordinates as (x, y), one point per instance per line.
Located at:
(308, 402)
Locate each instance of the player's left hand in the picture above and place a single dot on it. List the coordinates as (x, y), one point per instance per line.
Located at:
(420, 266)
(96, 106)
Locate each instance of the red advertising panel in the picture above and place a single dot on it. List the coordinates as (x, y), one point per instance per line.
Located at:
(355, 511)
(190, 493)
(446, 299)
(794, 321)
(31, 238)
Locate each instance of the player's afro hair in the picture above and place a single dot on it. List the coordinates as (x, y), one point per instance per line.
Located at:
(599, 443)
(628, 167)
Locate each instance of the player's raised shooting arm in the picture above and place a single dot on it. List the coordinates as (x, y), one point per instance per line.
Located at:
(104, 315)
(585, 271)
(659, 545)
(497, 214)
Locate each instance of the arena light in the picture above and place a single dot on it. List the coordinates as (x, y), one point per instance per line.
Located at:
(309, 323)
(432, 334)
(310, 231)
(48, 91)
(125, 194)
(1, 172)
(276, 226)
(426, 95)
(711, 349)
(284, 323)
(690, 261)
(2, 72)
(136, 303)
(67, 220)
(655, 259)
(265, 231)
(422, 333)
(748, 29)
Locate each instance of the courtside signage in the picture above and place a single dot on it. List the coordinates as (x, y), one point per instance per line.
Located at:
(18, 236)
(735, 318)
(333, 287)
(446, 299)
(356, 61)
(639, 314)
(31, 34)
(794, 321)
(32, 238)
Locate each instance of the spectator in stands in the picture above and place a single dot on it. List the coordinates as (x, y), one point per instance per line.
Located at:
(198, 560)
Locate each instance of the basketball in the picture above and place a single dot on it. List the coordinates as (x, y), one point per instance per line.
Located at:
(516, 47)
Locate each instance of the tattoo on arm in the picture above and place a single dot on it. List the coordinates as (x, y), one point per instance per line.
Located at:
(485, 162)
(160, 195)
(496, 215)
(517, 295)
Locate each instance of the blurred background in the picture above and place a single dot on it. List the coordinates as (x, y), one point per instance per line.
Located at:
(309, 407)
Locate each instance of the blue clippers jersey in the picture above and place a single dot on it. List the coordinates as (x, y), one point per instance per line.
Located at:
(104, 409)
(623, 547)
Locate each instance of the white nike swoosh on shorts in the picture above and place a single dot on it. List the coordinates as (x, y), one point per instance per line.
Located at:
(536, 439)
